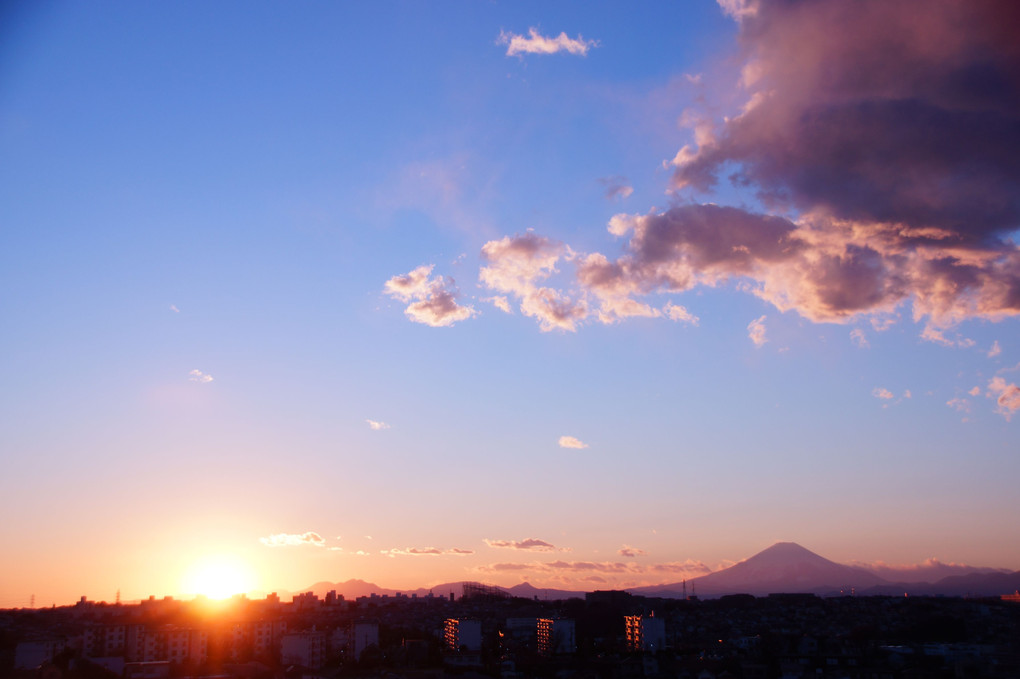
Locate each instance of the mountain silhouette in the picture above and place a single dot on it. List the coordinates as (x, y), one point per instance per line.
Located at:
(783, 567)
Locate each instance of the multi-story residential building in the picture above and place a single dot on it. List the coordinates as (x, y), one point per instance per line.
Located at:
(463, 634)
(644, 633)
(555, 636)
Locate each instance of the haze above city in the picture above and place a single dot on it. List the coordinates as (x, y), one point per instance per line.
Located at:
(585, 295)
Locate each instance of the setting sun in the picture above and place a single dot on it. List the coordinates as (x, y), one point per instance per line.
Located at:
(218, 577)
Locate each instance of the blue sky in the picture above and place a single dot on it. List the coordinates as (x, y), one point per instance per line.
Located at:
(204, 209)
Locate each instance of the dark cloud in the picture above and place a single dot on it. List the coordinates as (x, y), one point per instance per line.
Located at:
(893, 130)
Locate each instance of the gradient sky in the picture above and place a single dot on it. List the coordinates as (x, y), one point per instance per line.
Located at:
(586, 294)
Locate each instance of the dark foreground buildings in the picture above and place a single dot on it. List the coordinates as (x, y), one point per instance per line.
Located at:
(608, 635)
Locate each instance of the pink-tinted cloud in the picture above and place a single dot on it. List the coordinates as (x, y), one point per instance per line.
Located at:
(598, 566)
(882, 393)
(293, 540)
(497, 567)
(930, 570)
(501, 303)
(377, 426)
(433, 301)
(995, 349)
(689, 568)
(959, 404)
(571, 442)
(530, 544)
(517, 265)
(756, 331)
(426, 551)
(1007, 396)
(536, 43)
(200, 377)
(892, 129)
(858, 337)
(631, 552)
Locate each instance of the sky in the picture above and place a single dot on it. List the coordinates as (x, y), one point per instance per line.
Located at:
(585, 294)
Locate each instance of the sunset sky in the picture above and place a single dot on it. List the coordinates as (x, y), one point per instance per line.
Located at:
(585, 294)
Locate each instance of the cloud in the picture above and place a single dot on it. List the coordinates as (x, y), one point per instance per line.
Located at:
(598, 566)
(936, 335)
(426, 551)
(200, 377)
(739, 9)
(974, 391)
(501, 303)
(995, 350)
(497, 567)
(881, 392)
(173, 308)
(675, 312)
(930, 570)
(616, 187)
(536, 43)
(1007, 396)
(631, 552)
(960, 404)
(516, 265)
(377, 426)
(756, 331)
(432, 301)
(293, 540)
(530, 544)
(571, 442)
(844, 101)
(858, 337)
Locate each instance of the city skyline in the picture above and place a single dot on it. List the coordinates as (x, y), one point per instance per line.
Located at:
(584, 295)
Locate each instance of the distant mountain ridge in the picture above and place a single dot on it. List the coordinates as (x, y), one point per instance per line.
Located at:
(785, 567)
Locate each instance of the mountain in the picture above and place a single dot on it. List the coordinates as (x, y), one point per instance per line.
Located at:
(527, 591)
(783, 567)
(352, 589)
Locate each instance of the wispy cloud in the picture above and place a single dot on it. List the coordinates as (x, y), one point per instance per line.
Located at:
(501, 303)
(529, 544)
(756, 331)
(882, 393)
(293, 540)
(960, 404)
(995, 350)
(631, 552)
(433, 301)
(616, 187)
(377, 426)
(1007, 396)
(426, 551)
(200, 377)
(173, 308)
(858, 337)
(571, 442)
(536, 43)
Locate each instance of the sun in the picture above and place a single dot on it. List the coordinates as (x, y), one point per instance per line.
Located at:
(218, 577)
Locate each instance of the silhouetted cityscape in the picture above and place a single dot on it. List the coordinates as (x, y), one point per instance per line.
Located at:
(486, 632)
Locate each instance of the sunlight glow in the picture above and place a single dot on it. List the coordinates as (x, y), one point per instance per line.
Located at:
(218, 577)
